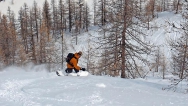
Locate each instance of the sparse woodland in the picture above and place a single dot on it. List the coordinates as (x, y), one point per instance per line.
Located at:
(30, 37)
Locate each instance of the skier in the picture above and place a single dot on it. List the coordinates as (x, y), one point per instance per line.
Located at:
(72, 64)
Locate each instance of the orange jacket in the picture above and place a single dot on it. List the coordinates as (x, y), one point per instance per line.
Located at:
(74, 62)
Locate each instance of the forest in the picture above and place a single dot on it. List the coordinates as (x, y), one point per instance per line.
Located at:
(122, 24)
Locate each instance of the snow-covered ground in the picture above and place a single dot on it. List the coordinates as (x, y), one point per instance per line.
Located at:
(163, 32)
(34, 86)
(28, 88)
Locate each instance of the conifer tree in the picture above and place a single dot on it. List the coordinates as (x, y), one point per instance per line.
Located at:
(13, 33)
(102, 12)
(5, 41)
(121, 55)
(62, 25)
(23, 24)
(54, 19)
(70, 14)
(36, 19)
(61, 16)
(94, 12)
(47, 17)
(86, 17)
(43, 41)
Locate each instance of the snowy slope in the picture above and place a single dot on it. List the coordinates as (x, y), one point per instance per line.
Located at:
(21, 88)
(163, 31)
(34, 86)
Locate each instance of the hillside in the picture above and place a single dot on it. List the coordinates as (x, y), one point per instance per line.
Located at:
(158, 36)
(34, 85)
(27, 88)
(164, 32)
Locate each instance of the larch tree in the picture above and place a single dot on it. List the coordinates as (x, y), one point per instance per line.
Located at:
(179, 50)
(102, 12)
(5, 41)
(70, 11)
(62, 26)
(47, 17)
(61, 16)
(23, 24)
(123, 43)
(32, 38)
(43, 41)
(149, 11)
(177, 5)
(13, 33)
(36, 19)
(180, 54)
(54, 19)
(94, 12)
(86, 17)
(81, 5)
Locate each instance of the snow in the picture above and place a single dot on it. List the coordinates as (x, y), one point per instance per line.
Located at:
(41, 88)
(34, 86)
(164, 32)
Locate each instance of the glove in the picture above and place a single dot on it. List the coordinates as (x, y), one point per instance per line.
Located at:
(83, 69)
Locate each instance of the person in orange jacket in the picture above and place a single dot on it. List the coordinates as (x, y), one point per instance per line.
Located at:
(73, 63)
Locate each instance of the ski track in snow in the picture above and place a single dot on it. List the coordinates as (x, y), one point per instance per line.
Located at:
(12, 91)
(50, 90)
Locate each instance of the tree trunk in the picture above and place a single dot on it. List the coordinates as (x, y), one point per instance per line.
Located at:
(70, 18)
(123, 75)
(177, 6)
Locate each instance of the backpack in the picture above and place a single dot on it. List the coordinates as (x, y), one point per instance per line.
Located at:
(69, 57)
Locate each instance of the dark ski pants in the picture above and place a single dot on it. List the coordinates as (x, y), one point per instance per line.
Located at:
(69, 70)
